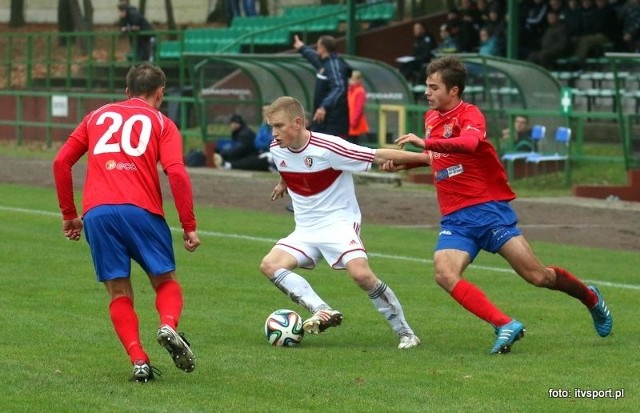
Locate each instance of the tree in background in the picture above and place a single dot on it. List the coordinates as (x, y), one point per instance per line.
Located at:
(71, 19)
(17, 13)
(171, 21)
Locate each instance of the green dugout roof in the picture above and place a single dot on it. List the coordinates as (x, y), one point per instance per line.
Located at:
(242, 83)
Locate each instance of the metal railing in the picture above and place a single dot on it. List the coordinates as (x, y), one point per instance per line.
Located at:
(79, 65)
(44, 124)
(81, 60)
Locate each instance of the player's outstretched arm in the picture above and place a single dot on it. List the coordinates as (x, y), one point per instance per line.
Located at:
(401, 157)
(411, 138)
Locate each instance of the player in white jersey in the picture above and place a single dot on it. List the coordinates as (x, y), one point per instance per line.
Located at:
(316, 170)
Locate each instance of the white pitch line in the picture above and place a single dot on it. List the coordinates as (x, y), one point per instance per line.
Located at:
(371, 254)
(30, 211)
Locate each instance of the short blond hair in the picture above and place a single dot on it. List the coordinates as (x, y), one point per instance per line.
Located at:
(290, 105)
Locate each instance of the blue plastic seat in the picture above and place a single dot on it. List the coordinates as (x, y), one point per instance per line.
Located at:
(559, 153)
(538, 133)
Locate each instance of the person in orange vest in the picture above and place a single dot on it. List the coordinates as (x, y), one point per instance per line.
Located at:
(357, 98)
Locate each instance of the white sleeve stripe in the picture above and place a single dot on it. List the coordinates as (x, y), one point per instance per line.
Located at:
(343, 151)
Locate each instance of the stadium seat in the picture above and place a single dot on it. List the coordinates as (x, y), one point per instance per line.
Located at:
(324, 18)
(169, 50)
(274, 30)
(474, 91)
(538, 133)
(384, 10)
(634, 96)
(209, 40)
(558, 153)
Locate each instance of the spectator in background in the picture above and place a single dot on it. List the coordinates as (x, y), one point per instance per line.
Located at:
(521, 141)
(555, 43)
(249, 7)
(571, 16)
(233, 8)
(533, 16)
(260, 160)
(598, 29)
(609, 24)
(497, 25)
(499, 6)
(483, 11)
(330, 106)
(242, 138)
(453, 23)
(557, 6)
(630, 16)
(488, 43)
(133, 22)
(468, 37)
(357, 97)
(448, 43)
(423, 46)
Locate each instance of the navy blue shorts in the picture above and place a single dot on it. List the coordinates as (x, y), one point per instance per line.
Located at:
(479, 227)
(118, 234)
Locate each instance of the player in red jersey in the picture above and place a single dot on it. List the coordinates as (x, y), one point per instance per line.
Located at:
(123, 217)
(317, 170)
(473, 194)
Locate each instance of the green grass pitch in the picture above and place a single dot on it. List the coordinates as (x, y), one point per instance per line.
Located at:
(59, 352)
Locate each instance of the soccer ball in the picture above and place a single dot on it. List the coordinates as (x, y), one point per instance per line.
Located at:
(283, 328)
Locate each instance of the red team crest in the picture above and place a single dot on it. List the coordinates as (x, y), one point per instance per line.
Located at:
(308, 161)
(448, 130)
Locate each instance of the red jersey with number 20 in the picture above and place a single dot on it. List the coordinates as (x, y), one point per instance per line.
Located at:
(125, 141)
(466, 168)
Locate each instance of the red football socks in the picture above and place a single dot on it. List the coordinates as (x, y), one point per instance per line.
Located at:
(568, 283)
(125, 322)
(474, 300)
(169, 303)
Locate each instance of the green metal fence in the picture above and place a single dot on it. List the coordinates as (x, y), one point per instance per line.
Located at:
(33, 111)
(92, 60)
(90, 67)
(88, 61)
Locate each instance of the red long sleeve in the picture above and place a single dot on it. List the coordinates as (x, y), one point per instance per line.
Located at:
(68, 155)
(461, 144)
(182, 195)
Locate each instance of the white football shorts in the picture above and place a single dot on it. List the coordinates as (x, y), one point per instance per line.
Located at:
(338, 244)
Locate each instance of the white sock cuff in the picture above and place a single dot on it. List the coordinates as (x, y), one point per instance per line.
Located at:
(280, 275)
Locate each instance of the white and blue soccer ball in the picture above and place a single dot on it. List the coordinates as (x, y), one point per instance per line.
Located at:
(283, 328)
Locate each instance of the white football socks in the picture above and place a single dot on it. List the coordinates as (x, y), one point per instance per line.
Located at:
(299, 290)
(385, 300)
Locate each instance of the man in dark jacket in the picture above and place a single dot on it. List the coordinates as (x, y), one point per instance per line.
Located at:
(554, 44)
(242, 141)
(132, 21)
(423, 46)
(330, 105)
